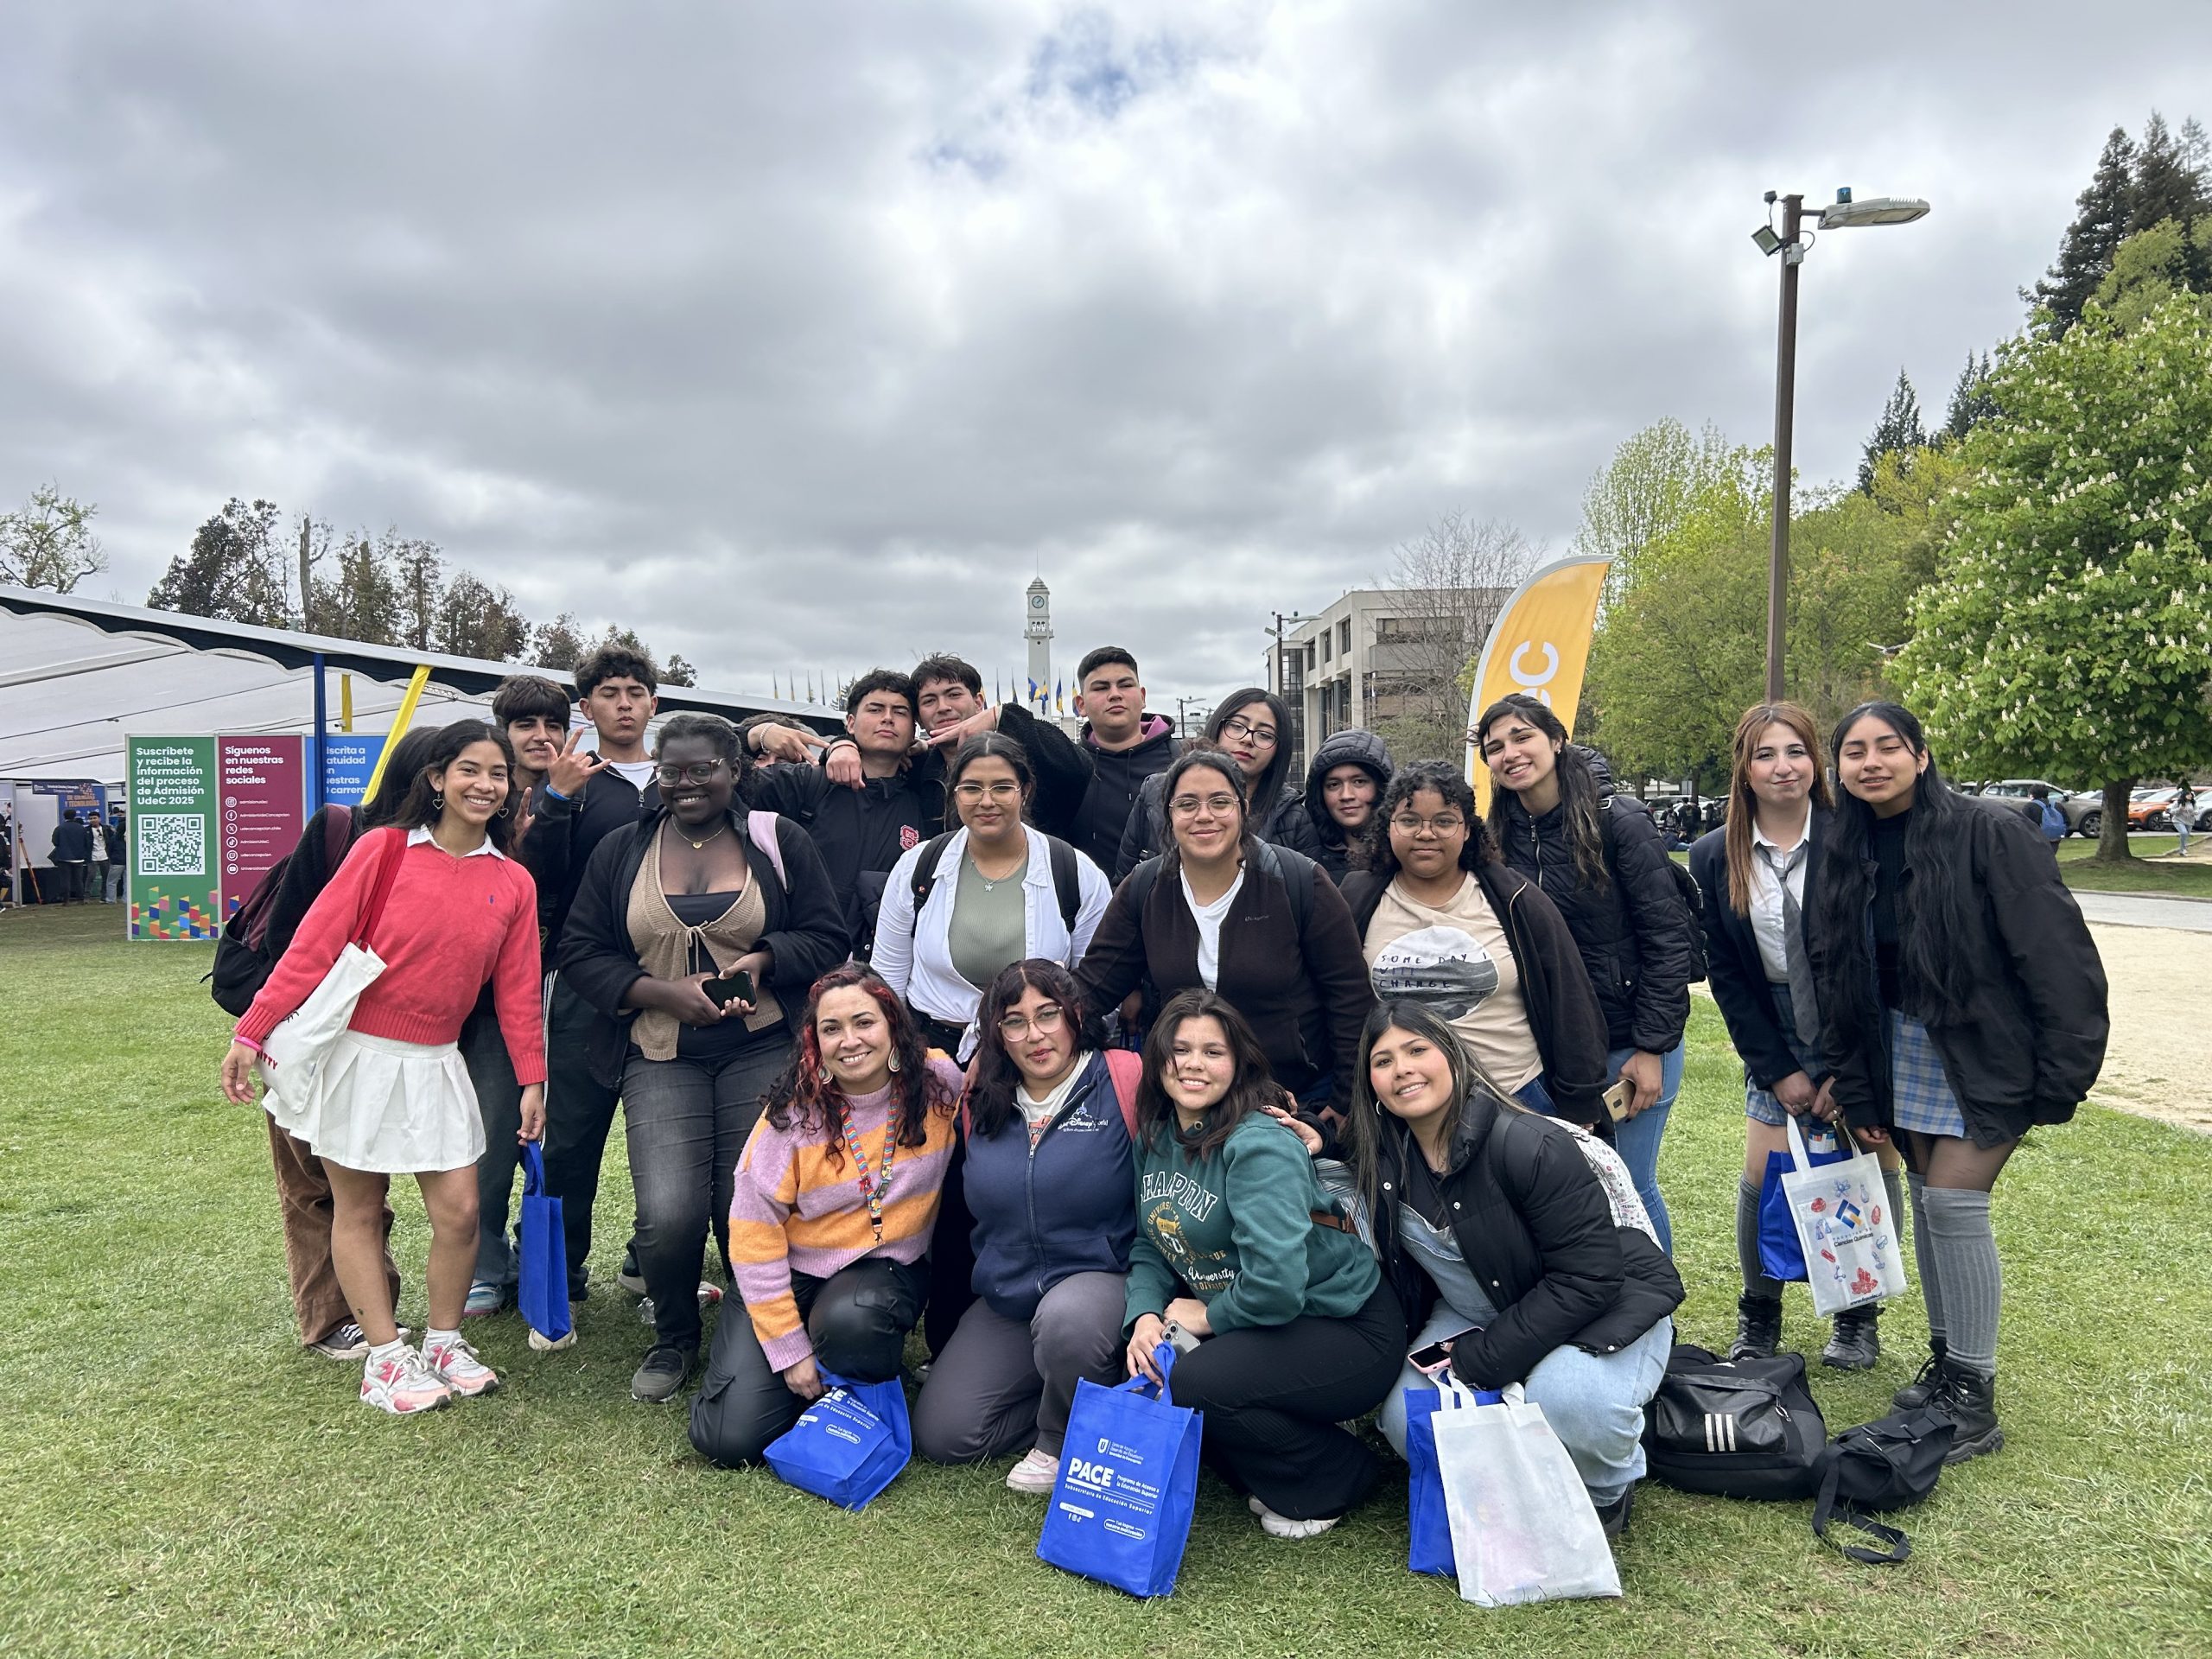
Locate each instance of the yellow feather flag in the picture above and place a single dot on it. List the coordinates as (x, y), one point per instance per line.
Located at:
(1539, 645)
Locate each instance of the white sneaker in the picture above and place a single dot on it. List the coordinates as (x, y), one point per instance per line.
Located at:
(454, 1362)
(709, 1296)
(1282, 1526)
(403, 1385)
(1038, 1471)
(544, 1344)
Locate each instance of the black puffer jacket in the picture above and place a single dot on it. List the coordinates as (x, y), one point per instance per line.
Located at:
(1634, 934)
(1283, 824)
(1537, 1229)
(1352, 746)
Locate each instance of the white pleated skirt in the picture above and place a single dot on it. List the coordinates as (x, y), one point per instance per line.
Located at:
(389, 1107)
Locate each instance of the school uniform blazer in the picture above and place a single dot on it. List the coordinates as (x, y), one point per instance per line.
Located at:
(1733, 966)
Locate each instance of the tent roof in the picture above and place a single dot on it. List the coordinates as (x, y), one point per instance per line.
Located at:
(79, 676)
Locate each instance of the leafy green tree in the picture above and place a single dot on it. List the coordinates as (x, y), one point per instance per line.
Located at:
(677, 671)
(1971, 404)
(233, 570)
(559, 643)
(1898, 429)
(2152, 265)
(474, 620)
(2068, 631)
(361, 600)
(1642, 494)
(50, 542)
(2085, 252)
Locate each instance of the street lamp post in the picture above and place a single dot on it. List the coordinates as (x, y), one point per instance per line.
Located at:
(1843, 213)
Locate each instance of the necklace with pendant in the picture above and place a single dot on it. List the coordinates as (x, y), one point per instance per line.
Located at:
(697, 845)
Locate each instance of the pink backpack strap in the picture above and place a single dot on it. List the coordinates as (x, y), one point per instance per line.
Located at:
(1126, 1066)
(761, 826)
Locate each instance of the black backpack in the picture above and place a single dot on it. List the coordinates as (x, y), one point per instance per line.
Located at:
(1887, 1464)
(1692, 895)
(243, 963)
(1735, 1429)
(1067, 883)
(1286, 864)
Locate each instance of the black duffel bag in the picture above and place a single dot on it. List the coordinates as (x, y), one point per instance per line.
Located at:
(1887, 1464)
(1734, 1428)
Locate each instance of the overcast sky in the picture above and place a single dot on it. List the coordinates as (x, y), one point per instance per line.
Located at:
(802, 336)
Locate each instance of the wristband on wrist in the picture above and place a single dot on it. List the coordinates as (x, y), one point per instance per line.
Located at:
(247, 1041)
(555, 793)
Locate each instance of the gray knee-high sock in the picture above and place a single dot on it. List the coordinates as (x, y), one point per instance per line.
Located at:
(1893, 1189)
(1924, 1255)
(1957, 1220)
(1756, 1283)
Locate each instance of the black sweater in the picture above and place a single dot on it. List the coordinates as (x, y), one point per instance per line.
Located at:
(804, 934)
(1116, 776)
(1734, 967)
(1634, 933)
(562, 834)
(861, 833)
(1306, 995)
(2029, 1042)
(1536, 1228)
(1563, 1013)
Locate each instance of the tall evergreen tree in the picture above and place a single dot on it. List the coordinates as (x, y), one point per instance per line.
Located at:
(362, 601)
(473, 620)
(233, 569)
(2085, 253)
(1971, 400)
(2166, 185)
(1898, 429)
(559, 643)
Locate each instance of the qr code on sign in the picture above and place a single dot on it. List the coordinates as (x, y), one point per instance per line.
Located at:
(171, 844)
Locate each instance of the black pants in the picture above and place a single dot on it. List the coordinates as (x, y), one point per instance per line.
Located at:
(499, 1100)
(858, 1319)
(579, 1112)
(1273, 1395)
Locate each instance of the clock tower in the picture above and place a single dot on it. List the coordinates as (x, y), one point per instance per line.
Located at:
(1037, 628)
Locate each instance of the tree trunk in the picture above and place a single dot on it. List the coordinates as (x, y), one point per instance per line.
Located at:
(2112, 841)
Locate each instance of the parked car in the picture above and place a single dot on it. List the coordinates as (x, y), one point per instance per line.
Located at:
(2079, 806)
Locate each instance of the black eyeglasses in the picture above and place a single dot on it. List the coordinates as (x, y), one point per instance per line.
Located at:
(695, 772)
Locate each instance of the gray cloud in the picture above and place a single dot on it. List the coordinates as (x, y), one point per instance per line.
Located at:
(801, 337)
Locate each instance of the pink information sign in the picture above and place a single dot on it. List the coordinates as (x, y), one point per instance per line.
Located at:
(261, 786)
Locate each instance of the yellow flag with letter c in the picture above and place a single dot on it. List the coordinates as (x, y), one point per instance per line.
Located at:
(1540, 646)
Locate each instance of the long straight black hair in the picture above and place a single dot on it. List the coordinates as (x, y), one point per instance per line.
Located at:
(1267, 788)
(1578, 791)
(1932, 912)
(423, 805)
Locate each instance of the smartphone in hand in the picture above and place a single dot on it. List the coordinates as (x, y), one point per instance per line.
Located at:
(737, 987)
(1617, 1098)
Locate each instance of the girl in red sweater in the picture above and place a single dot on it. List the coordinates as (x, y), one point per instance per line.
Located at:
(393, 1096)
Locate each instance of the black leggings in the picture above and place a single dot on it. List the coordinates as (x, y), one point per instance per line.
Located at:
(858, 1319)
(1273, 1395)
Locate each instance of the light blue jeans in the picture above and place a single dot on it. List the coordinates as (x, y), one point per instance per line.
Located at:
(1594, 1403)
(1637, 1139)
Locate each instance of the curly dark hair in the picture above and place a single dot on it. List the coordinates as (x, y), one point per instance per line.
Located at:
(990, 1100)
(716, 730)
(808, 1099)
(1251, 1086)
(1445, 779)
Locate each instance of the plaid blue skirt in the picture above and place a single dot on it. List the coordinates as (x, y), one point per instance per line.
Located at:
(1920, 1095)
(1759, 1104)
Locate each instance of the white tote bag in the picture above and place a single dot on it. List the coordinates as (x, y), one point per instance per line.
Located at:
(1843, 1225)
(292, 1055)
(1523, 1527)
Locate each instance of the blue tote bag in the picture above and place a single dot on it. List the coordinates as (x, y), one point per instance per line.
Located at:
(1781, 1256)
(543, 1269)
(849, 1444)
(1128, 1484)
(1430, 1550)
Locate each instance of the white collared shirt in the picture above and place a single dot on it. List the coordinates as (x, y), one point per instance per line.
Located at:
(1766, 894)
(421, 832)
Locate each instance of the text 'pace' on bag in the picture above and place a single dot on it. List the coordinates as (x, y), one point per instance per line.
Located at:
(1430, 1549)
(1781, 1256)
(1886, 1464)
(1734, 1428)
(1128, 1484)
(1848, 1237)
(1523, 1526)
(542, 1270)
(849, 1444)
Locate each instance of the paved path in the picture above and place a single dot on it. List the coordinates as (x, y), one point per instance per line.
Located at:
(2147, 910)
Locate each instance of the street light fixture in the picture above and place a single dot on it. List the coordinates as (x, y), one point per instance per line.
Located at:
(1842, 215)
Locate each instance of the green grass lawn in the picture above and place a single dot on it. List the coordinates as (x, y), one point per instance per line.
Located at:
(180, 1479)
(2153, 869)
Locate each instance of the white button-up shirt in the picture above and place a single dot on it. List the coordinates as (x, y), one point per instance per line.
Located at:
(1772, 865)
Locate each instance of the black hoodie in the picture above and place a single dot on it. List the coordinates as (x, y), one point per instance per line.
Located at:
(1352, 746)
(1116, 776)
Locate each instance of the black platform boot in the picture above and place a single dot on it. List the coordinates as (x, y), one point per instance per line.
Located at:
(1969, 1399)
(1856, 1343)
(1918, 1392)
(1758, 1327)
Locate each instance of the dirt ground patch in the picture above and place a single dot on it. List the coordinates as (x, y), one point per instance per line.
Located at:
(2159, 1062)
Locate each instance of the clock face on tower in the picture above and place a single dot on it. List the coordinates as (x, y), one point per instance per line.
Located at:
(1036, 601)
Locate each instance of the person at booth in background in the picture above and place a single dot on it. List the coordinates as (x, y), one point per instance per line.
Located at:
(1961, 1003)
(118, 841)
(1050, 1195)
(1350, 770)
(1601, 861)
(1762, 873)
(73, 854)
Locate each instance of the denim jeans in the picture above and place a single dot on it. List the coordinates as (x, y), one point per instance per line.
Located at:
(686, 1121)
(498, 1100)
(1594, 1403)
(1637, 1139)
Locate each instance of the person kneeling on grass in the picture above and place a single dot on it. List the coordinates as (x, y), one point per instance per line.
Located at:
(1048, 1181)
(835, 1197)
(1522, 1238)
(1239, 1246)
(393, 1096)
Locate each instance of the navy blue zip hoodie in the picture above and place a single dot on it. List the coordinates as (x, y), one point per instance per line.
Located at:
(1067, 1207)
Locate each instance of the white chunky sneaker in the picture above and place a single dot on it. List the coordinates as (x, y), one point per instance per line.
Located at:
(454, 1362)
(403, 1385)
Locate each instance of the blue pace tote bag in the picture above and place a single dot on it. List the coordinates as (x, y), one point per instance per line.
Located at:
(849, 1444)
(1781, 1256)
(1128, 1485)
(542, 1271)
(1430, 1550)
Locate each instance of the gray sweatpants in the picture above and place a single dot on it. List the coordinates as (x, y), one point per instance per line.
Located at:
(1003, 1385)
